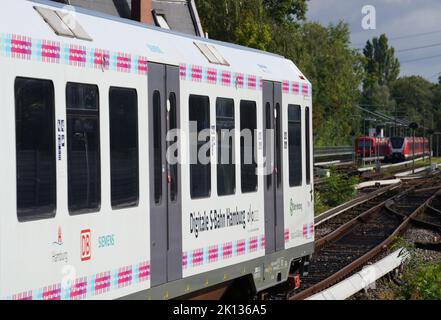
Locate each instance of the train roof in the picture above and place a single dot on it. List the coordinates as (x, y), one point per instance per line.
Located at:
(114, 34)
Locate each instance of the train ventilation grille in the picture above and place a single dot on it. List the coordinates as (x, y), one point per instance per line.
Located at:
(63, 23)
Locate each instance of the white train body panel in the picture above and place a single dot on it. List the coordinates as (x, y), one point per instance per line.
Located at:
(299, 201)
(45, 259)
(252, 202)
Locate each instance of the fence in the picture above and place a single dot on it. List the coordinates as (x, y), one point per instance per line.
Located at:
(341, 153)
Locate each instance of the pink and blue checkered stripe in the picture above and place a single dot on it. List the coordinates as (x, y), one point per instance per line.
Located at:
(307, 232)
(87, 287)
(25, 48)
(297, 88)
(238, 80)
(222, 252)
(219, 77)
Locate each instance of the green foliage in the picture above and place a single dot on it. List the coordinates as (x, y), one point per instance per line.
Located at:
(409, 249)
(241, 22)
(319, 205)
(381, 65)
(335, 70)
(420, 280)
(421, 283)
(322, 53)
(250, 34)
(286, 11)
(325, 57)
(378, 98)
(435, 113)
(382, 69)
(339, 188)
(249, 23)
(414, 98)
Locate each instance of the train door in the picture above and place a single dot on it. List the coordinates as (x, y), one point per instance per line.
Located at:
(165, 190)
(272, 118)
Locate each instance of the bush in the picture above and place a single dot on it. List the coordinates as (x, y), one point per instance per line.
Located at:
(339, 188)
(421, 283)
(420, 280)
(319, 205)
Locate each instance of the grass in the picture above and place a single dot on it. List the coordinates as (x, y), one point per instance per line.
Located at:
(420, 280)
(337, 189)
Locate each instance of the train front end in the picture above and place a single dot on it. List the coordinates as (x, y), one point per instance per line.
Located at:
(398, 148)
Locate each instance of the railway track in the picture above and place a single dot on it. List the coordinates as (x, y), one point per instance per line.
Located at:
(351, 170)
(326, 227)
(349, 240)
(431, 217)
(335, 218)
(369, 176)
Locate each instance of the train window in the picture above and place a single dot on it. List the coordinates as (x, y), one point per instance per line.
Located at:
(226, 165)
(173, 125)
(269, 150)
(278, 145)
(124, 157)
(83, 148)
(248, 164)
(397, 142)
(35, 149)
(200, 168)
(157, 146)
(308, 144)
(295, 145)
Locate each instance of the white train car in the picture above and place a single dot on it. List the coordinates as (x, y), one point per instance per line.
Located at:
(90, 206)
(402, 148)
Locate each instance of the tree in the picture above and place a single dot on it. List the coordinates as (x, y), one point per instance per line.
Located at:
(436, 89)
(248, 22)
(436, 106)
(286, 11)
(381, 71)
(381, 65)
(232, 20)
(336, 72)
(322, 53)
(414, 96)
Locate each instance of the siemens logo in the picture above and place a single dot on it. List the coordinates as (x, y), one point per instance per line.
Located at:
(106, 241)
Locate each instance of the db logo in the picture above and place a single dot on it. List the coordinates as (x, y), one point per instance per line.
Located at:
(85, 245)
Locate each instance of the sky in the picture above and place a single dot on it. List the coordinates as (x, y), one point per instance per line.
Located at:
(407, 23)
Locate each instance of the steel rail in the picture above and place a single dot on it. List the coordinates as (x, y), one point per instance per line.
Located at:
(348, 226)
(353, 203)
(423, 223)
(345, 271)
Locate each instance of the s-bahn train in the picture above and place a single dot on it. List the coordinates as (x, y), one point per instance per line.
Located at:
(369, 147)
(403, 148)
(92, 208)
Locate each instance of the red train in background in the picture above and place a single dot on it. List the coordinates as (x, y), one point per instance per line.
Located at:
(368, 147)
(392, 149)
(402, 148)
